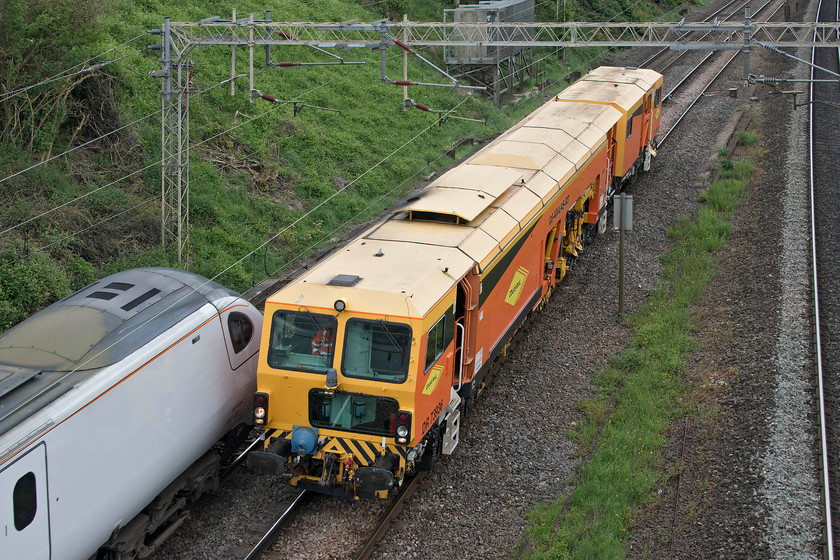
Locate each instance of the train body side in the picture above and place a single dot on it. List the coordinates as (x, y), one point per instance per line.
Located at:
(109, 445)
(522, 277)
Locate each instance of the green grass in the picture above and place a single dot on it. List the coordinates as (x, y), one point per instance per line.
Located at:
(639, 394)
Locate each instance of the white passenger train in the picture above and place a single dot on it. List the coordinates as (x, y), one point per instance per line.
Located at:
(110, 402)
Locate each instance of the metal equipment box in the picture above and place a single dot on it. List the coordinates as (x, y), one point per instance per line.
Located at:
(519, 11)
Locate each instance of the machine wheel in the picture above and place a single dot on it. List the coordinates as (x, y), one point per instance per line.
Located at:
(469, 401)
(434, 447)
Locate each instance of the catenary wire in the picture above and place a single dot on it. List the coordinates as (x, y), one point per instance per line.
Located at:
(25, 222)
(16, 226)
(159, 111)
(141, 170)
(66, 73)
(354, 218)
(74, 234)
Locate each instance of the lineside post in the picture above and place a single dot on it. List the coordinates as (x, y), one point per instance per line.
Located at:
(621, 254)
(165, 124)
(175, 139)
(405, 64)
(233, 60)
(623, 221)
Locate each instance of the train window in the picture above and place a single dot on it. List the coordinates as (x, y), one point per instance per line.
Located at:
(241, 331)
(435, 342)
(365, 414)
(302, 341)
(140, 299)
(24, 501)
(376, 350)
(121, 286)
(635, 114)
(657, 97)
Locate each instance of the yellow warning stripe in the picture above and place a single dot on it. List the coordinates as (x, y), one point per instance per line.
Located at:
(364, 451)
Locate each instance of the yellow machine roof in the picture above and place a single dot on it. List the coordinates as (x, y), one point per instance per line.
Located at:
(381, 275)
(620, 87)
(470, 215)
(464, 191)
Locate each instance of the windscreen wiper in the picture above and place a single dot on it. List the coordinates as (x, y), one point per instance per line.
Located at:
(391, 337)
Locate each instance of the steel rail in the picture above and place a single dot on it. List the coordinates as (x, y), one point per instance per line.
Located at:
(241, 457)
(817, 336)
(685, 52)
(268, 539)
(696, 99)
(390, 514)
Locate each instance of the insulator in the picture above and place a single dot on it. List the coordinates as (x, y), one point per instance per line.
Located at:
(402, 45)
(422, 107)
(268, 97)
(287, 64)
(285, 35)
(403, 83)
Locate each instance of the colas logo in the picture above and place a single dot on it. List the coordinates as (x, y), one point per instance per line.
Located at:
(434, 377)
(516, 285)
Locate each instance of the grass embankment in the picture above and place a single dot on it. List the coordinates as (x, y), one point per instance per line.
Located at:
(638, 394)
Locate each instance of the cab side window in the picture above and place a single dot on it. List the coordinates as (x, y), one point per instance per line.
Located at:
(436, 342)
(635, 114)
(657, 97)
(24, 501)
(241, 331)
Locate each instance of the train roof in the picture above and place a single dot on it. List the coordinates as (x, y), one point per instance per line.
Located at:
(471, 214)
(619, 87)
(53, 350)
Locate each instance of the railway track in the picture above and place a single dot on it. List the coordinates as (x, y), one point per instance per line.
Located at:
(390, 516)
(661, 52)
(824, 138)
(713, 61)
(274, 530)
(241, 454)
